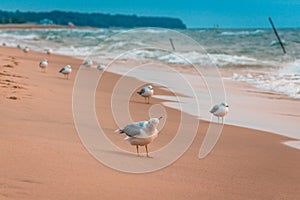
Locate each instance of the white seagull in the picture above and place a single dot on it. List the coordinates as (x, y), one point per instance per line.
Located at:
(146, 92)
(66, 71)
(101, 67)
(43, 65)
(141, 133)
(26, 49)
(87, 63)
(220, 110)
(48, 51)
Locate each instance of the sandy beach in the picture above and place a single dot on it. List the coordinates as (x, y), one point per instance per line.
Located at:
(29, 26)
(42, 156)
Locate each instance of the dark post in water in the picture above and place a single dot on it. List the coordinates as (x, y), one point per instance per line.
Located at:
(171, 41)
(275, 31)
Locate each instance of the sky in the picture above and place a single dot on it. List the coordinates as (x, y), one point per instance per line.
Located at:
(193, 13)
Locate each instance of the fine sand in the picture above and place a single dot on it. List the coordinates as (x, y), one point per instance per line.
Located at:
(42, 157)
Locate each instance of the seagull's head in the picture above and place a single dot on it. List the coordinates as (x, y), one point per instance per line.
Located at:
(224, 104)
(150, 87)
(154, 121)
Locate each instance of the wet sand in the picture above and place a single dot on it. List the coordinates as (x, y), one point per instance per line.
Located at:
(42, 156)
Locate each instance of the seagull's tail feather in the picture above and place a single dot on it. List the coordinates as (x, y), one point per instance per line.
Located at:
(126, 138)
(139, 92)
(119, 131)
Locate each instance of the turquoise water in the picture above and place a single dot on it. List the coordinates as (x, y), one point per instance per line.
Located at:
(256, 50)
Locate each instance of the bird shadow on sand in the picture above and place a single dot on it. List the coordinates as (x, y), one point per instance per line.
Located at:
(124, 153)
(140, 102)
(63, 78)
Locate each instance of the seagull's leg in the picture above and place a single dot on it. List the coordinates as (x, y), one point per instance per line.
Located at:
(218, 120)
(145, 99)
(137, 150)
(146, 146)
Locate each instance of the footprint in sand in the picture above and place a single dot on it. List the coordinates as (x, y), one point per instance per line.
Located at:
(8, 65)
(13, 98)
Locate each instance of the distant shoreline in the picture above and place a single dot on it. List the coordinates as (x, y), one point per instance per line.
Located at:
(39, 26)
(98, 20)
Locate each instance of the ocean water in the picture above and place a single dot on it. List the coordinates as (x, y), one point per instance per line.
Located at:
(254, 54)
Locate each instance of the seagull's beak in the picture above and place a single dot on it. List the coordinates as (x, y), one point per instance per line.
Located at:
(160, 117)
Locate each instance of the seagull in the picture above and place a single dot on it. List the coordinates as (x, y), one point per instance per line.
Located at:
(141, 133)
(66, 71)
(26, 49)
(101, 67)
(220, 110)
(48, 51)
(87, 63)
(43, 65)
(146, 92)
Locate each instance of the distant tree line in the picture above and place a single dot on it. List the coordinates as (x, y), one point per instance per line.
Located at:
(91, 19)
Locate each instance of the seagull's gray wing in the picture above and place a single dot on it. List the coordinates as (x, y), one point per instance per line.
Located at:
(132, 129)
(143, 90)
(214, 109)
(141, 124)
(62, 69)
